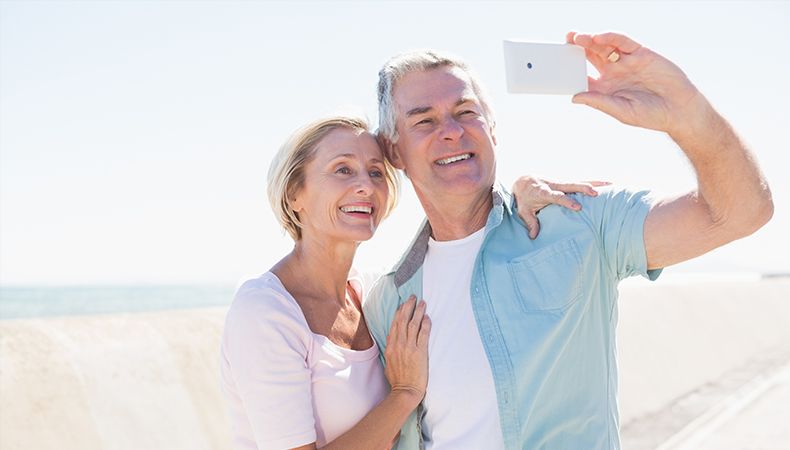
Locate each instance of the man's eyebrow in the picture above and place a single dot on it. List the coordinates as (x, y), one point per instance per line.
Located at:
(418, 110)
(424, 109)
(463, 100)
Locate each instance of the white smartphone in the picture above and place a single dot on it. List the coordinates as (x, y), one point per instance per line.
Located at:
(540, 68)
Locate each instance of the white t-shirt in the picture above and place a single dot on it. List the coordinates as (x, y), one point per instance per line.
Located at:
(460, 401)
(286, 386)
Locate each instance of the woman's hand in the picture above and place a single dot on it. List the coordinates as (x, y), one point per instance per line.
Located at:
(533, 194)
(407, 351)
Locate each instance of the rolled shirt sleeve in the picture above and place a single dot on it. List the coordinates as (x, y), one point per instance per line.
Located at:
(618, 218)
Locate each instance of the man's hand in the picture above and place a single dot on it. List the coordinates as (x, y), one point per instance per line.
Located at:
(638, 86)
(533, 194)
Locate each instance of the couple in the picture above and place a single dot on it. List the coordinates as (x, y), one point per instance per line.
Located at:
(521, 333)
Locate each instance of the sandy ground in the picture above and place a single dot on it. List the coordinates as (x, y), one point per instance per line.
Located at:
(684, 349)
(702, 366)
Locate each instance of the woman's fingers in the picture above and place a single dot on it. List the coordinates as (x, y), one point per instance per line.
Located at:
(531, 222)
(597, 183)
(413, 329)
(584, 187)
(398, 328)
(425, 333)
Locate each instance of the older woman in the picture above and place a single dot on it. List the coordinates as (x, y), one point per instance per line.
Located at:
(299, 367)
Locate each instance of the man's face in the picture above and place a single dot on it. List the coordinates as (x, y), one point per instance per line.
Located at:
(445, 144)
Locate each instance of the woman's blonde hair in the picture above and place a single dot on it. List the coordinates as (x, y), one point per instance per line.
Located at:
(286, 173)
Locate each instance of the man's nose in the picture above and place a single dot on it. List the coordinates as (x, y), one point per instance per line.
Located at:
(451, 130)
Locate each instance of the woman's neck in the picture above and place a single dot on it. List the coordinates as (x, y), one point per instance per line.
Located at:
(317, 268)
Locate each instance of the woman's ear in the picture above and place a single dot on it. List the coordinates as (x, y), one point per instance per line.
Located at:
(295, 203)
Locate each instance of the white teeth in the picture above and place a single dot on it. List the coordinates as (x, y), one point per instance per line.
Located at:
(453, 159)
(358, 209)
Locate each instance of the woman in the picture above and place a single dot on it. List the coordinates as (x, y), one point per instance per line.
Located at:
(299, 367)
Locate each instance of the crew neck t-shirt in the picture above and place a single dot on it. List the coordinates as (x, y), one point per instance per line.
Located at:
(460, 402)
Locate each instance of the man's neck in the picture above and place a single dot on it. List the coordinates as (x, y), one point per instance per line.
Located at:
(457, 217)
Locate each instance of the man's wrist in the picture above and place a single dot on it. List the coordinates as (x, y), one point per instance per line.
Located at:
(698, 120)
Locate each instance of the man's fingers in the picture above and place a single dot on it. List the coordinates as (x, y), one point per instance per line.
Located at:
(595, 53)
(604, 103)
(623, 43)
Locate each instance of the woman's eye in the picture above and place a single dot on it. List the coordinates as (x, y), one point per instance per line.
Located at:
(343, 170)
(376, 173)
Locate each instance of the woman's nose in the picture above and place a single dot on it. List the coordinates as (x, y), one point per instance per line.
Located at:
(364, 185)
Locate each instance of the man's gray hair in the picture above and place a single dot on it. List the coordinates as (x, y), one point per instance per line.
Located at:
(419, 61)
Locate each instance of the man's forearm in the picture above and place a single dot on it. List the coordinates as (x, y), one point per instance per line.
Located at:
(730, 183)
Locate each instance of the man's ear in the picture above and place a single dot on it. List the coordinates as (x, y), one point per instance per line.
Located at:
(493, 132)
(391, 152)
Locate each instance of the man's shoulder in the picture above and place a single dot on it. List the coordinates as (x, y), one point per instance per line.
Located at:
(610, 202)
(613, 195)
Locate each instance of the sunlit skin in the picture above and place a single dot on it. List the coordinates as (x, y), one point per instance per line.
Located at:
(347, 171)
(439, 117)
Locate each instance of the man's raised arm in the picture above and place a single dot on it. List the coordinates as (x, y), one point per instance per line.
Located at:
(640, 87)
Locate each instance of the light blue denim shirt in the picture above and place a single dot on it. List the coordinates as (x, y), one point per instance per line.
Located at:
(546, 310)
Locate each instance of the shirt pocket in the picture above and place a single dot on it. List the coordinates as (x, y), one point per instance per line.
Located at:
(548, 279)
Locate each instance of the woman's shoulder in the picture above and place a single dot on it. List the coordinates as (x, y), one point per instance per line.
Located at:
(265, 299)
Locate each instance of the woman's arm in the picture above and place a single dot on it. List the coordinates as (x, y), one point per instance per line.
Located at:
(407, 373)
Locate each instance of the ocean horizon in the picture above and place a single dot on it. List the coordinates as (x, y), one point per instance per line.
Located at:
(20, 302)
(30, 301)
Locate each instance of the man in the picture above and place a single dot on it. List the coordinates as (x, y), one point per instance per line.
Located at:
(522, 346)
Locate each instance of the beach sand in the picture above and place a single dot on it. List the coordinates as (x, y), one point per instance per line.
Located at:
(150, 380)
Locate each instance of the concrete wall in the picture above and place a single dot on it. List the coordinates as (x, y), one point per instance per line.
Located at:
(150, 380)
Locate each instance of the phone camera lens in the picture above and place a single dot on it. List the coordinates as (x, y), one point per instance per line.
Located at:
(529, 65)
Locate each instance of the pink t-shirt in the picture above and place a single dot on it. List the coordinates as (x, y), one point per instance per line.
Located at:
(285, 385)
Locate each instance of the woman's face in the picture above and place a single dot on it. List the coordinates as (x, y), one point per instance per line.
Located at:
(345, 191)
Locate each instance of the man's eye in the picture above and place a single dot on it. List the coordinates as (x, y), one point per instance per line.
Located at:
(467, 112)
(423, 122)
(343, 170)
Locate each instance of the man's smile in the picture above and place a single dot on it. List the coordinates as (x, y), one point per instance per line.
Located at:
(453, 159)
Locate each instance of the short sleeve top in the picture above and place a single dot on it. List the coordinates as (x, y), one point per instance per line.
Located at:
(285, 385)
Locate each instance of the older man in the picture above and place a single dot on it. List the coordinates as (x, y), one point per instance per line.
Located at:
(522, 348)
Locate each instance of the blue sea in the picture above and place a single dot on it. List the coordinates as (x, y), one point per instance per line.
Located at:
(25, 302)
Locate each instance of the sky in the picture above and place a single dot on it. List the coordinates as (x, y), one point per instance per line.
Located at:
(135, 137)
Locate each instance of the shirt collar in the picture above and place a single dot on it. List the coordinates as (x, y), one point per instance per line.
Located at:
(413, 259)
